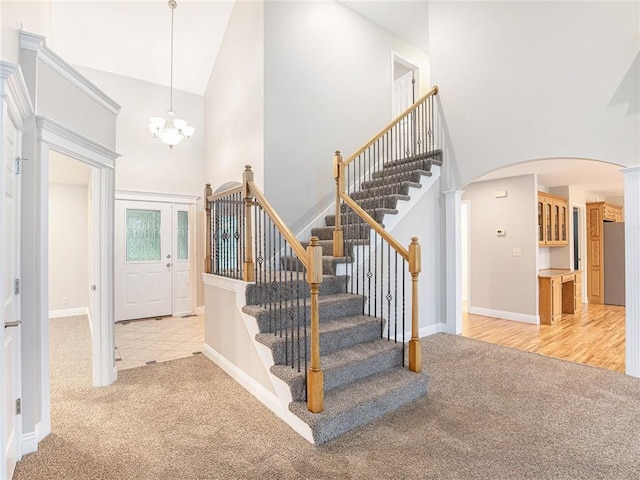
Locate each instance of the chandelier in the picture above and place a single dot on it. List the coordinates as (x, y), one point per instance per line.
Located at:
(169, 129)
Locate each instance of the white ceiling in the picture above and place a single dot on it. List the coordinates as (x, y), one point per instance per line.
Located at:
(133, 38)
(409, 20)
(603, 180)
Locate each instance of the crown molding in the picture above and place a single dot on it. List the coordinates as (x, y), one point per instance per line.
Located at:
(183, 198)
(46, 124)
(37, 43)
(14, 89)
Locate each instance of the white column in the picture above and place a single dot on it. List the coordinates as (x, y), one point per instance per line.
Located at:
(453, 261)
(632, 267)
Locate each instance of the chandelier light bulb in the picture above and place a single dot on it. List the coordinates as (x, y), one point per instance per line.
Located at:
(171, 130)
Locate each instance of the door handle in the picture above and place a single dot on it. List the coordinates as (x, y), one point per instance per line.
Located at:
(169, 264)
(12, 324)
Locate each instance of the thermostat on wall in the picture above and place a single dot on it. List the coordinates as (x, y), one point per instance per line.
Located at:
(501, 232)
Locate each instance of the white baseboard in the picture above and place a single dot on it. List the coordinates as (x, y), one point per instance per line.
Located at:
(516, 317)
(269, 399)
(29, 442)
(432, 329)
(68, 312)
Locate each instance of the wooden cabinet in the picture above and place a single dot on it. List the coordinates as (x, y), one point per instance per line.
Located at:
(560, 291)
(598, 212)
(553, 220)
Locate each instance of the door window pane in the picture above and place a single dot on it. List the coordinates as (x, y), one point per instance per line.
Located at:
(183, 235)
(143, 235)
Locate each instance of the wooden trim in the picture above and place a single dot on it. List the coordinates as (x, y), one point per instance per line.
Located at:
(249, 268)
(433, 91)
(231, 191)
(415, 352)
(296, 246)
(404, 253)
(338, 238)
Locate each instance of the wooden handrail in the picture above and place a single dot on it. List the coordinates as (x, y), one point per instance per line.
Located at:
(397, 246)
(230, 191)
(297, 247)
(433, 91)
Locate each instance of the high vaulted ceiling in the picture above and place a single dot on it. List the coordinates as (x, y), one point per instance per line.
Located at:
(132, 38)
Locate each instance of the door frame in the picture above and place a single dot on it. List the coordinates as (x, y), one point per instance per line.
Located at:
(582, 244)
(407, 63)
(51, 135)
(15, 107)
(175, 199)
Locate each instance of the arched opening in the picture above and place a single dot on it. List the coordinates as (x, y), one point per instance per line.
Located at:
(505, 227)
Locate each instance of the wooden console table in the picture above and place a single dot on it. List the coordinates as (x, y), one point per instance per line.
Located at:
(560, 291)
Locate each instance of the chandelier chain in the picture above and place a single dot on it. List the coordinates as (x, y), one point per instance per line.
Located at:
(171, 76)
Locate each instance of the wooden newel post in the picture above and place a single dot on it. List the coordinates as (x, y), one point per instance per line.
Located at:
(207, 235)
(249, 268)
(338, 174)
(315, 402)
(415, 351)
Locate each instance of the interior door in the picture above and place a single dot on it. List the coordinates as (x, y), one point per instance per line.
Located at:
(10, 425)
(403, 96)
(143, 260)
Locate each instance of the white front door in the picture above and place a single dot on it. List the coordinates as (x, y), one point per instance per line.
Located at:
(143, 260)
(10, 425)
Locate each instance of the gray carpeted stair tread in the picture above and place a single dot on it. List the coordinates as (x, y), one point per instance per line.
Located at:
(329, 263)
(435, 156)
(326, 233)
(334, 335)
(288, 284)
(413, 176)
(355, 404)
(389, 201)
(348, 218)
(366, 195)
(330, 306)
(400, 188)
(327, 245)
(390, 172)
(345, 366)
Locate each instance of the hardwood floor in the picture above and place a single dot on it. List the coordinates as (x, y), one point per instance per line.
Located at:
(595, 336)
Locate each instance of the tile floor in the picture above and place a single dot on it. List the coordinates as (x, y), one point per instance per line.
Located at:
(142, 342)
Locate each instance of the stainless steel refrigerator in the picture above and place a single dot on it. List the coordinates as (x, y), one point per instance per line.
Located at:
(613, 263)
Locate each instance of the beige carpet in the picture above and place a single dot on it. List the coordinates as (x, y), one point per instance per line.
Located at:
(491, 413)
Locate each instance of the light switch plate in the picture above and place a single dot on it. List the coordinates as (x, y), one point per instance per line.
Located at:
(517, 252)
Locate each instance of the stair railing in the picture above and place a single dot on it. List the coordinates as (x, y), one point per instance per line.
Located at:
(408, 142)
(248, 240)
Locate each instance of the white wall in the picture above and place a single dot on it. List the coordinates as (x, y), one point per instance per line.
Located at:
(501, 284)
(68, 247)
(64, 102)
(528, 80)
(327, 87)
(147, 164)
(234, 100)
(424, 221)
(34, 17)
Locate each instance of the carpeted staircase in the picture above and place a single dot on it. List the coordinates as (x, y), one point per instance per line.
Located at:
(363, 374)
